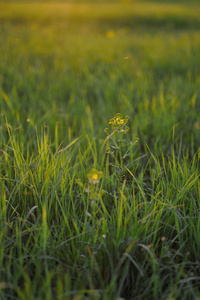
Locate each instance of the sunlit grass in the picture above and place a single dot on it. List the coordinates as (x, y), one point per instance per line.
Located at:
(89, 213)
(96, 11)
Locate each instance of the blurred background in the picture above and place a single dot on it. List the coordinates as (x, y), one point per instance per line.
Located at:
(73, 65)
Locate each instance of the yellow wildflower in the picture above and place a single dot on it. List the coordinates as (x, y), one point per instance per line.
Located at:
(94, 176)
(110, 34)
(119, 123)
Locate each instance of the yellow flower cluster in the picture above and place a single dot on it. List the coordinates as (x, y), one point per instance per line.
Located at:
(118, 123)
(118, 120)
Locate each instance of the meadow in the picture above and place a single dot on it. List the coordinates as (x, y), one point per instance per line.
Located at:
(99, 160)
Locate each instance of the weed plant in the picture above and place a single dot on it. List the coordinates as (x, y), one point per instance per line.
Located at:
(87, 213)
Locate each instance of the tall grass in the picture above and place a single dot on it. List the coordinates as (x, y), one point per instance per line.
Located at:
(81, 216)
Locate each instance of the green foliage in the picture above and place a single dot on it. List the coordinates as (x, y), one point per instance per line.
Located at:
(88, 214)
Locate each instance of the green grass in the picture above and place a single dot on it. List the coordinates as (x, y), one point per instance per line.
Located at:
(66, 70)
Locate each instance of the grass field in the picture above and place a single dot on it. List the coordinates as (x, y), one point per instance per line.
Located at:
(93, 204)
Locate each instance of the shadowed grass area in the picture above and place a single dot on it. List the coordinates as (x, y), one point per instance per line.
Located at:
(87, 213)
